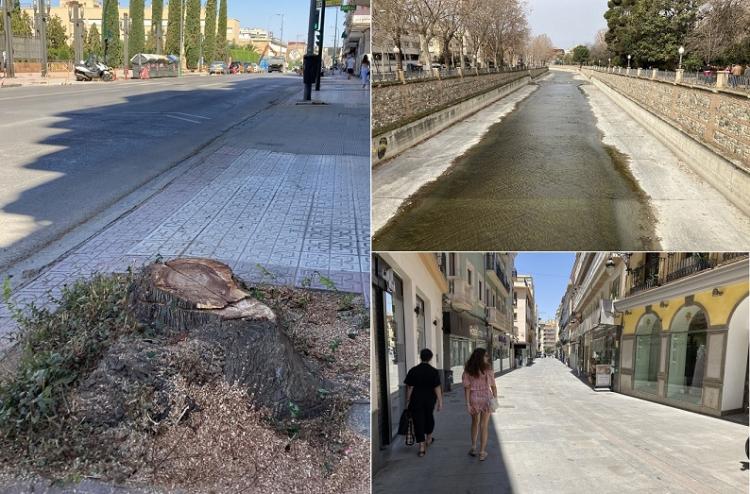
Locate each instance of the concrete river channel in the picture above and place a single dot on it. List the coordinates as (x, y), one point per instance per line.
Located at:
(540, 179)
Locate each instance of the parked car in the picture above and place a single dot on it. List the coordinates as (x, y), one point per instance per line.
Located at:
(217, 68)
(235, 68)
(247, 68)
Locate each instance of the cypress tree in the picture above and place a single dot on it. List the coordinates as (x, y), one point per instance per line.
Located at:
(111, 33)
(157, 15)
(209, 45)
(221, 32)
(192, 33)
(172, 46)
(137, 39)
(93, 43)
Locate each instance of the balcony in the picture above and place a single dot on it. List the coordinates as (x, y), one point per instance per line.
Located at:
(462, 295)
(495, 271)
(490, 314)
(642, 278)
(687, 266)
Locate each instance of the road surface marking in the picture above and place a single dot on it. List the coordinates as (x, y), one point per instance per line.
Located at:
(191, 115)
(181, 118)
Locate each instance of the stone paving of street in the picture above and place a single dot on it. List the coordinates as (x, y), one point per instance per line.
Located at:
(275, 214)
(553, 433)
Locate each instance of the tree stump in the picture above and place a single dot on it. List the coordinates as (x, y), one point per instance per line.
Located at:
(202, 298)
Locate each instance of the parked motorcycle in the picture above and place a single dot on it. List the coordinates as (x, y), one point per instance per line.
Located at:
(93, 69)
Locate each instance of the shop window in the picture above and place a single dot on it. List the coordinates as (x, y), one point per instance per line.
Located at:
(687, 354)
(421, 336)
(647, 341)
(395, 338)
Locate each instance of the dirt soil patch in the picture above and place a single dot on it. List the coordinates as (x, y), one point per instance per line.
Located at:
(93, 393)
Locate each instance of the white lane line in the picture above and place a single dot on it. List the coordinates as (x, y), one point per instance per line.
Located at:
(180, 118)
(191, 115)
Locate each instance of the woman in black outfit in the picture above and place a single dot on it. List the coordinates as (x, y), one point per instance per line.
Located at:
(422, 391)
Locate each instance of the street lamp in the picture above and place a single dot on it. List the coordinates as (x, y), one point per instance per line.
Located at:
(281, 41)
(182, 38)
(628, 62)
(681, 51)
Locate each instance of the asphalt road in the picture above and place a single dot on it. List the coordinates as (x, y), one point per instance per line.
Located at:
(68, 152)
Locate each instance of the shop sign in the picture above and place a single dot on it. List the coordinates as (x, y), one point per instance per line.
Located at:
(603, 376)
(474, 331)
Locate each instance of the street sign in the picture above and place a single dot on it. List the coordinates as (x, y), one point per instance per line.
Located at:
(347, 8)
(603, 376)
(332, 3)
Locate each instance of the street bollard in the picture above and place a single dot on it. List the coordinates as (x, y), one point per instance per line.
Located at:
(654, 73)
(638, 72)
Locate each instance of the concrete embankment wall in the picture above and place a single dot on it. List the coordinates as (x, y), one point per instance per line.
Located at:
(708, 129)
(404, 115)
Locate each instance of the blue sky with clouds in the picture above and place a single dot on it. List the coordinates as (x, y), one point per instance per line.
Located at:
(550, 272)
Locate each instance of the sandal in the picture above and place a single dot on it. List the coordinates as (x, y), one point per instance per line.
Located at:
(432, 440)
(482, 456)
(421, 453)
(472, 452)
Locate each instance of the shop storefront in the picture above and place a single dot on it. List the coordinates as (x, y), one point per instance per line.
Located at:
(500, 352)
(605, 343)
(686, 343)
(464, 333)
(388, 308)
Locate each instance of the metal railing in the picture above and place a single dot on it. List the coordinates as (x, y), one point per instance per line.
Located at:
(687, 266)
(694, 78)
(442, 73)
(643, 279)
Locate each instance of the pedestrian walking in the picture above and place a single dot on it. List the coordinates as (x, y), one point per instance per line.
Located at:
(364, 71)
(423, 391)
(481, 392)
(349, 66)
(734, 75)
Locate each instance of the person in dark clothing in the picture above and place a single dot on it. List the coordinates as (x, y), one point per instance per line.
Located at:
(422, 392)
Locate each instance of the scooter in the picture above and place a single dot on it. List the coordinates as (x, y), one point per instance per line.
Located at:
(93, 69)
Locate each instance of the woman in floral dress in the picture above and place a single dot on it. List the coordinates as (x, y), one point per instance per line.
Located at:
(479, 389)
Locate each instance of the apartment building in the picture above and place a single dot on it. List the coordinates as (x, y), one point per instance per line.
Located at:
(524, 319)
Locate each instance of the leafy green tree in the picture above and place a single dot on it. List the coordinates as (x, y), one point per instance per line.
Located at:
(580, 54)
(221, 32)
(111, 33)
(93, 43)
(650, 31)
(57, 40)
(244, 54)
(209, 45)
(20, 21)
(137, 39)
(157, 16)
(192, 33)
(174, 16)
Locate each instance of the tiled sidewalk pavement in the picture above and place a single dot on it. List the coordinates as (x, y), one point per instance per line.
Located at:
(257, 202)
(554, 434)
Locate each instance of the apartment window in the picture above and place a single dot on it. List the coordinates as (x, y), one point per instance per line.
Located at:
(468, 277)
(452, 264)
(615, 291)
(480, 291)
(515, 315)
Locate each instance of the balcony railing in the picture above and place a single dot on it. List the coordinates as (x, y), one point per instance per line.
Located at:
(491, 315)
(491, 263)
(687, 266)
(643, 279)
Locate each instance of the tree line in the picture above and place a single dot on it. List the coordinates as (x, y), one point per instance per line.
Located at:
(478, 32)
(714, 33)
(96, 40)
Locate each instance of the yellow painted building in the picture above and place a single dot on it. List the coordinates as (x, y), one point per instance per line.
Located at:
(685, 328)
(92, 14)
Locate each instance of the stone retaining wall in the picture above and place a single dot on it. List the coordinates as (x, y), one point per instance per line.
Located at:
(396, 104)
(717, 119)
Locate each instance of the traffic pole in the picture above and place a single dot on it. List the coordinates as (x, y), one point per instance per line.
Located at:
(307, 96)
(41, 18)
(320, 46)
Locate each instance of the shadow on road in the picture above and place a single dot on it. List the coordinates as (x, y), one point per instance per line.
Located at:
(100, 154)
(447, 468)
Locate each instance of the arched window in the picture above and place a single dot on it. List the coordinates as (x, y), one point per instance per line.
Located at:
(647, 340)
(687, 354)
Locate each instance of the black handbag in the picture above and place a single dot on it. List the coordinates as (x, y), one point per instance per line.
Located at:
(406, 427)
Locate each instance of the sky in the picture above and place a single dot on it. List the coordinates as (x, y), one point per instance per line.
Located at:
(551, 272)
(567, 22)
(262, 14)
